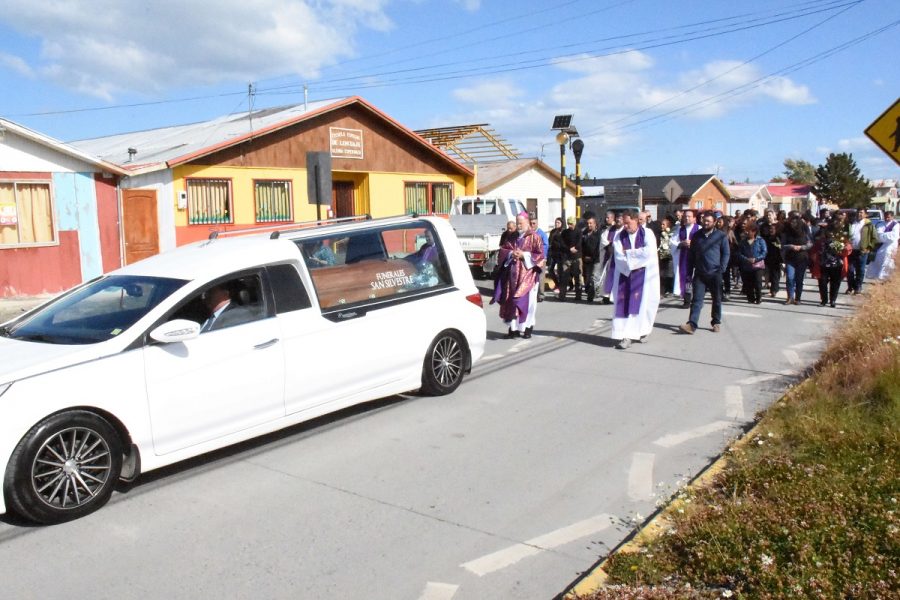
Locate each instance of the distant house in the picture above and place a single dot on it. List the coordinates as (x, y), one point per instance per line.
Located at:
(748, 195)
(791, 196)
(59, 214)
(250, 170)
(661, 194)
(886, 193)
(533, 182)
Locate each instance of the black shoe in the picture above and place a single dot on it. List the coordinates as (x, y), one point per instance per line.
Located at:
(527, 334)
(512, 334)
(605, 300)
(832, 305)
(540, 298)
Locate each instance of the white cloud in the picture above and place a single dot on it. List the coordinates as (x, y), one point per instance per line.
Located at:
(615, 98)
(105, 47)
(860, 142)
(470, 5)
(15, 63)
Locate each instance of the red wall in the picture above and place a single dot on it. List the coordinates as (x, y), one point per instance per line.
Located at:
(108, 217)
(44, 270)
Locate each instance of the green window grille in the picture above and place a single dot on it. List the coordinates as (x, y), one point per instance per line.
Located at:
(273, 201)
(209, 201)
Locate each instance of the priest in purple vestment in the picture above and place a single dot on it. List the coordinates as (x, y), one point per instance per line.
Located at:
(521, 260)
(636, 287)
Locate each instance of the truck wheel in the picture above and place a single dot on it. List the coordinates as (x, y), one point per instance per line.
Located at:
(444, 365)
(64, 468)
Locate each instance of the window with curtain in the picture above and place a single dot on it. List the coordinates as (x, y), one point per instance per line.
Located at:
(209, 201)
(273, 201)
(416, 197)
(26, 214)
(428, 197)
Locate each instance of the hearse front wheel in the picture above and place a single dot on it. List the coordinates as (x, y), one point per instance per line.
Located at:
(445, 364)
(64, 468)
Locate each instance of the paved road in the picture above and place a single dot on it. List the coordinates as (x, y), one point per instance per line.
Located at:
(509, 488)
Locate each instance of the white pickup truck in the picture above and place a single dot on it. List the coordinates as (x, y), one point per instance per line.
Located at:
(478, 222)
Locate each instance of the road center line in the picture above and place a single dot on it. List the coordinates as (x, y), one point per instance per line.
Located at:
(674, 439)
(734, 402)
(640, 476)
(438, 591)
(509, 556)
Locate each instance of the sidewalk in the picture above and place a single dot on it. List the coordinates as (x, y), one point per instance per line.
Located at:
(10, 307)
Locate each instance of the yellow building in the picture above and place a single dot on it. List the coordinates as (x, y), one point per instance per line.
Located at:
(250, 170)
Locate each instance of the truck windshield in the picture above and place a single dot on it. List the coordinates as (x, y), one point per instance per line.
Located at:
(96, 312)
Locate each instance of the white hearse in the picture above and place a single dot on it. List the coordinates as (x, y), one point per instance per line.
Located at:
(221, 341)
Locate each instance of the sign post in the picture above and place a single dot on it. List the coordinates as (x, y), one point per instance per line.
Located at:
(318, 180)
(885, 131)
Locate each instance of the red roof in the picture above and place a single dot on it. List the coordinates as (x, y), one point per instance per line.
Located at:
(790, 189)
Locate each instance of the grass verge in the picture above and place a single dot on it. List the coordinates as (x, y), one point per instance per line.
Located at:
(807, 505)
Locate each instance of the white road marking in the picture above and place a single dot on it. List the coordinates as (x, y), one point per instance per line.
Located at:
(519, 346)
(792, 357)
(734, 402)
(674, 439)
(492, 357)
(757, 379)
(438, 591)
(640, 476)
(810, 344)
(741, 314)
(509, 556)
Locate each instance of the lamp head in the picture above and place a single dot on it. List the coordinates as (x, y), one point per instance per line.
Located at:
(562, 138)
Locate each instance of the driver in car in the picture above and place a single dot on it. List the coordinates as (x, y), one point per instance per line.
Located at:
(223, 311)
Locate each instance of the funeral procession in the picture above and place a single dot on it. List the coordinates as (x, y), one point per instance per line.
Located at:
(424, 300)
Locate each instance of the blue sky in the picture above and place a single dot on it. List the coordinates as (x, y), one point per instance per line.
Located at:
(655, 87)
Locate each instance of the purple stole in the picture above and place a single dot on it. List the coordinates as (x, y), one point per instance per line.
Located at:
(890, 227)
(630, 290)
(611, 269)
(516, 282)
(683, 275)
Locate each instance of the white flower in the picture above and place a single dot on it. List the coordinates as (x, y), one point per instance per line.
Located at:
(766, 560)
(727, 593)
(771, 434)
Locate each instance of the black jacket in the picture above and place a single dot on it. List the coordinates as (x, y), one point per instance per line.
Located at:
(709, 253)
(570, 238)
(590, 246)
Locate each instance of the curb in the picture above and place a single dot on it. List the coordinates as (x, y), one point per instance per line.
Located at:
(595, 578)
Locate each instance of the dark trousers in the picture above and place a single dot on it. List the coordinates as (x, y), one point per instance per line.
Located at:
(752, 282)
(829, 283)
(699, 287)
(773, 273)
(857, 271)
(591, 276)
(569, 274)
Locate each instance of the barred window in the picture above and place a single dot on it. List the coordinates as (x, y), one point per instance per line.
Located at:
(26, 214)
(423, 198)
(273, 201)
(209, 201)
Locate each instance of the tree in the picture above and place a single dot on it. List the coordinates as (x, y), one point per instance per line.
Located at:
(799, 171)
(777, 179)
(839, 182)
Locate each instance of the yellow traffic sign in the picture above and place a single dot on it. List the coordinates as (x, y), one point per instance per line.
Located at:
(885, 131)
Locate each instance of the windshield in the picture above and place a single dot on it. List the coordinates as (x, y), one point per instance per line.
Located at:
(96, 312)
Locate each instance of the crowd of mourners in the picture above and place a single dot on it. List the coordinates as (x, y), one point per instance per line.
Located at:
(766, 252)
(630, 260)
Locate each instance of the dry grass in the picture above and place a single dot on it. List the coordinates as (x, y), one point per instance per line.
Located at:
(809, 506)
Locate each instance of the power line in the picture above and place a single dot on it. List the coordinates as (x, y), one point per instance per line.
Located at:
(556, 60)
(720, 75)
(749, 86)
(744, 24)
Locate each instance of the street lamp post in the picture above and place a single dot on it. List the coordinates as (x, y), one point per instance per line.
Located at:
(577, 149)
(562, 138)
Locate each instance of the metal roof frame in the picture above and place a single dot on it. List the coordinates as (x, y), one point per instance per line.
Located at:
(470, 143)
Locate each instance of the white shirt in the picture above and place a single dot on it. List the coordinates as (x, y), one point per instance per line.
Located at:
(856, 233)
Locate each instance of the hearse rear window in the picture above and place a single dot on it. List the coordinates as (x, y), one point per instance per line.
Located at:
(361, 266)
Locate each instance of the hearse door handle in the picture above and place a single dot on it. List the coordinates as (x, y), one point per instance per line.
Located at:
(271, 342)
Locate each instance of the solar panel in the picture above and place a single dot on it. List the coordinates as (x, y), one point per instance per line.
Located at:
(562, 121)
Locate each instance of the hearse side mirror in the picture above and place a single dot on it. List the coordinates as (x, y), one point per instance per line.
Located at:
(177, 330)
